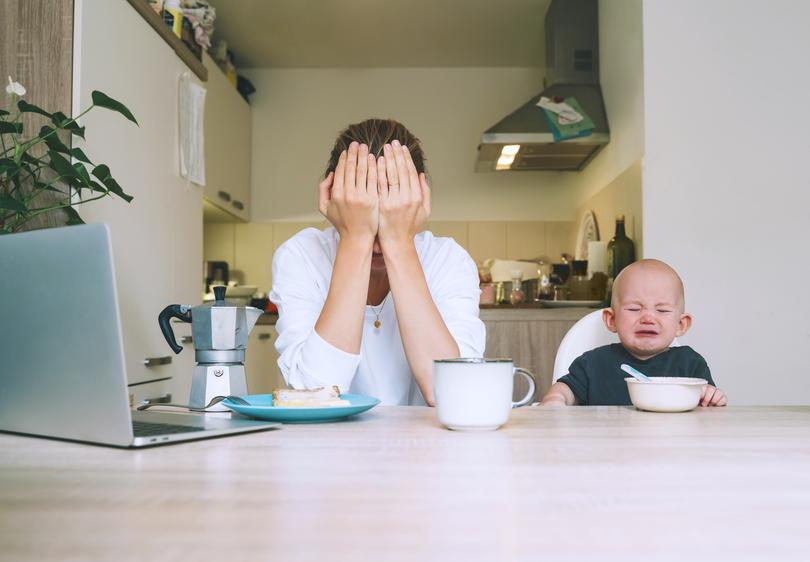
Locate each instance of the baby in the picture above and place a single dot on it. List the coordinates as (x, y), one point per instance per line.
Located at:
(647, 311)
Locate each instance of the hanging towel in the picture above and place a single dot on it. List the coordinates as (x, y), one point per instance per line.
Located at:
(192, 146)
(564, 129)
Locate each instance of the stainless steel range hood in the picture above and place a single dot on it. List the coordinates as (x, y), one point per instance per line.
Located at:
(572, 70)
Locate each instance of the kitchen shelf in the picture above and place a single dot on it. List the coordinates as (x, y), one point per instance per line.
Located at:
(185, 54)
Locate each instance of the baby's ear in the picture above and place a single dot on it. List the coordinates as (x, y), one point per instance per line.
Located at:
(609, 318)
(684, 323)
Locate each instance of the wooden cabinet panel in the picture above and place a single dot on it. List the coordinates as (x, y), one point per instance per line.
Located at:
(261, 361)
(227, 144)
(531, 338)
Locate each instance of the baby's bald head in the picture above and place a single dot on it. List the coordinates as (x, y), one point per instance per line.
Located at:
(649, 273)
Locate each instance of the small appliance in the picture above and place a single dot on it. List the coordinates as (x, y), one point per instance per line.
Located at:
(220, 332)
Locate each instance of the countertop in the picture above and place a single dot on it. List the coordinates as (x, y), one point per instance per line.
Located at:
(496, 313)
(580, 483)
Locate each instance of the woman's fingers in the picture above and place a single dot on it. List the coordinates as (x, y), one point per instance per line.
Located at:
(340, 173)
(362, 167)
(413, 177)
(391, 171)
(371, 179)
(423, 185)
(382, 179)
(325, 193)
(351, 166)
(402, 169)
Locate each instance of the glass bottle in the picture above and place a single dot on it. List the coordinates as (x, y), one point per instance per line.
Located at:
(517, 295)
(621, 252)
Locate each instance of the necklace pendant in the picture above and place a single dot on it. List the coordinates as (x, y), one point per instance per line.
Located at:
(377, 323)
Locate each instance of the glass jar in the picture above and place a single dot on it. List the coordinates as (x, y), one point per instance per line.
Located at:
(517, 296)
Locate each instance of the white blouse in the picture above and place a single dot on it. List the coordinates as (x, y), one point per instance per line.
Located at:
(302, 271)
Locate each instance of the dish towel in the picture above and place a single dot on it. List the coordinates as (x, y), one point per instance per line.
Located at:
(566, 118)
(192, 145)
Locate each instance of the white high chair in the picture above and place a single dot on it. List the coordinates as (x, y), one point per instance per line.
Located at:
(588, 333)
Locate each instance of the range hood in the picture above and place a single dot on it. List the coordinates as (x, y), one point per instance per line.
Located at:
(572, 70)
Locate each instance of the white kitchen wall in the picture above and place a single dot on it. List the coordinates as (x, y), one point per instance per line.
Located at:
(725, 184)
(297, 114)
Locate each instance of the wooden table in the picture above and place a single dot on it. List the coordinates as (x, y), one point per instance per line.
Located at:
(583, 483)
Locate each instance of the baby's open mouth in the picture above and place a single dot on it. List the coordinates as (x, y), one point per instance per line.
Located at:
(646, 333)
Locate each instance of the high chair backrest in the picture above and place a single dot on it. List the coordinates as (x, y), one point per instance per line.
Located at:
(588, 333)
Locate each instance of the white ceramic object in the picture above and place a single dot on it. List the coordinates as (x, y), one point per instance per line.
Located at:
(476, 394)
(665, 394)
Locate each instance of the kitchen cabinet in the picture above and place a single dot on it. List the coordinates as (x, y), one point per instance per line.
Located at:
(531, 338)
(261, 361)
(157, 238)
(227, 145)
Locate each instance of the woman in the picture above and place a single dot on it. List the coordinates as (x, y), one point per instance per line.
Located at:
(368, 304)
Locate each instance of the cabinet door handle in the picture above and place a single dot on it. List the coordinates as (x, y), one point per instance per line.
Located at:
(157, 361)
(224, 195)
(186, 339)
(264, 336)
(238, 204)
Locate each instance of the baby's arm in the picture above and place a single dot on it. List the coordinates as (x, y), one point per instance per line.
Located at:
(712, 396)
(559, 394)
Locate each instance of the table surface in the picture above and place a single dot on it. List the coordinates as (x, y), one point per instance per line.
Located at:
(391, 484)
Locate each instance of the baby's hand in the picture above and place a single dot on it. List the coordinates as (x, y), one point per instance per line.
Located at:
(554, 400)
(712, 396)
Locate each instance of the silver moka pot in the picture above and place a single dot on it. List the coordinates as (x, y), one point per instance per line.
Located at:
(220, 332)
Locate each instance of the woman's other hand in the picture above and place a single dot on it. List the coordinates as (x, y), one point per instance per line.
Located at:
(404, 196)
(348, 196)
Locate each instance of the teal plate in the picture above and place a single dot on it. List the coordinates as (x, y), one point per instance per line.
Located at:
(261, 407)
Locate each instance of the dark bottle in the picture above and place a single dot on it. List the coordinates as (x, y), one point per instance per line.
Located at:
(621, 252)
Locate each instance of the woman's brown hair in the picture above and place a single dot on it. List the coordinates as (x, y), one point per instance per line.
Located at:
(375, 133)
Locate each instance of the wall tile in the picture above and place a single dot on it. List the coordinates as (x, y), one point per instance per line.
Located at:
(525, 240)
(454, 229)
(558, 239)
(254, 254)
(218, 242)
(486, 239)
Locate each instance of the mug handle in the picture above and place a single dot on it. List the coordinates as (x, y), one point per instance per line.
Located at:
(532, 385)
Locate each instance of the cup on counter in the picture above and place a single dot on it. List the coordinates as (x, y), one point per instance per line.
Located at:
(476, 393)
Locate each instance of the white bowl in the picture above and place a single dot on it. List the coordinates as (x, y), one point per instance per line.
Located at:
(666, 394)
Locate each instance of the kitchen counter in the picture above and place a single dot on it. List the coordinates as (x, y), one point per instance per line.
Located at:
(524, 313)
(581, 483)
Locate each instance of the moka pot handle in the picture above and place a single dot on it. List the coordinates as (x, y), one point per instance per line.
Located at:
(179, 311)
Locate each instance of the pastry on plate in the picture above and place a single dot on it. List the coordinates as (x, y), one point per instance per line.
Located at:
(310, 398)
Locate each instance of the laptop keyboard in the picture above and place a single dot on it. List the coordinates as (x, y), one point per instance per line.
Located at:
(146, 429)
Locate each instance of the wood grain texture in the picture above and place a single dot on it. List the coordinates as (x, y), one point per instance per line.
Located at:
(582, 483)
(531, 338)
(36, 50)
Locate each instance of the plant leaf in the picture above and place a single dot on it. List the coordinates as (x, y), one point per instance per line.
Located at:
(82, 173)
(3, 112)
(102, 172)
(73, 216)
(79, 155)
(11, 127)
(52, 140)
(63, 122)
(26, 107)
(63, 167)
(103, 100)
(11, 204)
(6, 165)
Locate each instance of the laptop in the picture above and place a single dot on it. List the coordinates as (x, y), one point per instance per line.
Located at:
(62, 371)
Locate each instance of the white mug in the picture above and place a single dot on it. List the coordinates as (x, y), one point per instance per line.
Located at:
(476, 393)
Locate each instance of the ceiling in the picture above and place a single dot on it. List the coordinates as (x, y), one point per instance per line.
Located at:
(382, 33)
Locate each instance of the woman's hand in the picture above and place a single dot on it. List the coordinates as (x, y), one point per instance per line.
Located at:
(348, 196)
(404, 196)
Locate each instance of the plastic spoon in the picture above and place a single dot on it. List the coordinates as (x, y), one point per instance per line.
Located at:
(634, 373)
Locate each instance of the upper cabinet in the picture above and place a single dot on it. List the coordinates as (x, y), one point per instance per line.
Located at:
(227, 145)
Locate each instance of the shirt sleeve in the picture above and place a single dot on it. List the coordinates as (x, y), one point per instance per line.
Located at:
(577, 380)
(453, 282)
(701, 369)
(305, 359)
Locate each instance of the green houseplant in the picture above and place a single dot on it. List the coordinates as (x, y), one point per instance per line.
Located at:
(45, 164)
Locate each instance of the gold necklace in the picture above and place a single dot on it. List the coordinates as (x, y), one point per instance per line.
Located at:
(377, 312)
